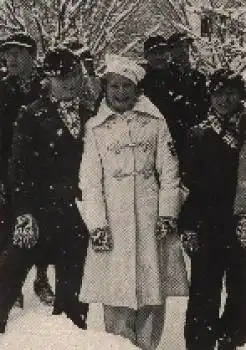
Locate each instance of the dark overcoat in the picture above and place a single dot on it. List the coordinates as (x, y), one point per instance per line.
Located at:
(213, 178)
(44, 176)
(14, 93)
(182, 99)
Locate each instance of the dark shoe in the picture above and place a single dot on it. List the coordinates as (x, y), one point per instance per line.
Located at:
(57, 311)
(77, 315)
(226, 344)
(43, 290)
(79, 320)
(80, 317)
(19, 301)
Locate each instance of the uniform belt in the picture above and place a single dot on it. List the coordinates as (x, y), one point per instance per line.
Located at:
(119, 175)
(117, 147)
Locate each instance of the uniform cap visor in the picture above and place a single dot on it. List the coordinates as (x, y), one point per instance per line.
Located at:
(7, 44)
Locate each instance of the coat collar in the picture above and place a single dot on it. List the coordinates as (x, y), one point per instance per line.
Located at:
(143, 105)
(47, 111)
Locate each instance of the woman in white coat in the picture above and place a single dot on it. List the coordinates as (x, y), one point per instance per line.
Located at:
(131, 198)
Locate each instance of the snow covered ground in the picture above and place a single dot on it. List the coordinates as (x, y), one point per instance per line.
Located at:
(34, 328)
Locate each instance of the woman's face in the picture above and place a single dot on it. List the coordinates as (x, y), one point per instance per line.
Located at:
(121, 93)
(226, 100)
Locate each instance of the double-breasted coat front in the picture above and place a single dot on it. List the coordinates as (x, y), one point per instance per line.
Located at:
(129, 177)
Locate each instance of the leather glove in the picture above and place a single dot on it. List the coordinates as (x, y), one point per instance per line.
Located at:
(165, 225)
(101, 240)
(241, 230)
(26, 232)
(190, 242)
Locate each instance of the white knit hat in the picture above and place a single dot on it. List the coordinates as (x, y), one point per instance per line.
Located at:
(125, 67)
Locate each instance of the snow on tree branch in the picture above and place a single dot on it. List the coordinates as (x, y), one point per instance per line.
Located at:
(134, 42)
(96, 24)
(223, 44)
(9, 18)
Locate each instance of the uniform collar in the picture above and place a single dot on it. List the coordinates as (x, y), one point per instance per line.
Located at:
(143, 105)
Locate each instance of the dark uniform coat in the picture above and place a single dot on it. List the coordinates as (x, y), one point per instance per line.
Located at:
(212, 180)
(208, 211)
(181, 99)
(14, 93)
(44, 175)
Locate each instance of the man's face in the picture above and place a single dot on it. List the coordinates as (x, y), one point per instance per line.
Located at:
(68, 85)
(180, 54)
(226, 100)
(158, 59)
(121, 93)
(18, 60)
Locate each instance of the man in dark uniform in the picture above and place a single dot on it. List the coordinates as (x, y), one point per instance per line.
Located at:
(189, 98)
(47, 150)
(21, 86)
(189, 84)
(207, 216)
(180, 94)
(157, 81)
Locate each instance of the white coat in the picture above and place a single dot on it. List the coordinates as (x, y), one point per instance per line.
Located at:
(129, 176)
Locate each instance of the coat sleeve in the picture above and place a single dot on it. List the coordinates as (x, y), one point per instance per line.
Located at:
(172, 194)
(22, 165)
(92, 207)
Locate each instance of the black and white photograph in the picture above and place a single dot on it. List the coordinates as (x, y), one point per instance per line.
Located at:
(122, 174)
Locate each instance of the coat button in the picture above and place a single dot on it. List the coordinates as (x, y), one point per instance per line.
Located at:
(118, 175)
(147, 174)
(116, 148)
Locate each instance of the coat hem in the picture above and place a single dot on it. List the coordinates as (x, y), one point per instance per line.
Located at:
(115, 304)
